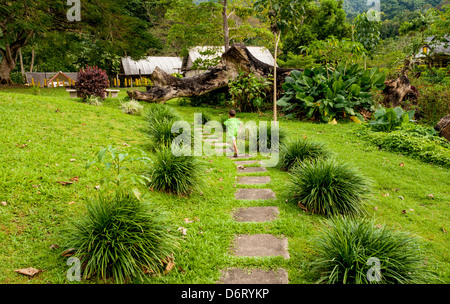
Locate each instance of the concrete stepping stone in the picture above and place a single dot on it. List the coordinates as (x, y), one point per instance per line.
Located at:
(241, 156)
(256, 214)
(211, 139)
(251, 169)
(253, 276)
(253, 180)
(254, 194)
(259, 245)
(246, 162)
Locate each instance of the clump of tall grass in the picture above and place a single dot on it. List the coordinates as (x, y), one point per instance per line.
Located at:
(328, 187)
(132, 107)
(356, 251)
(300, 150)
(176, 174)
(121, 238)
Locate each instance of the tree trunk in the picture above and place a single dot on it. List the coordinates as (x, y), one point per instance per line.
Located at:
(396, 90)
(22, 69)
(7, 64)
(226, 30)
(32, 60)
(235, 60)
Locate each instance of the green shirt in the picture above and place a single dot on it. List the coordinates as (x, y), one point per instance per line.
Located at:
(233, 125)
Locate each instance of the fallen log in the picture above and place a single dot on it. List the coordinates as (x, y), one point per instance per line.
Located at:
(237, 59)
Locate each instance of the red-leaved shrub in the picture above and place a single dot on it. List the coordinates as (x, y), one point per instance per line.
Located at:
(92, 81)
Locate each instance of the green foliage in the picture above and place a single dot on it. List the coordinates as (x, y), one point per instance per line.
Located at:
(268, 140)
(248, 92)
(180, 175)
(300, 150)
(132, 107)
(367, 32)
(414, 141)
(208, 58)
(328, 187)
(344, 92)
(205, 117)
(345, 245)
(301, 61)
(93, 101)
(433, 102)
(112, 159)
(333, 52)
(35, 90)
(121, 238)
(387, 120)
(157, 112)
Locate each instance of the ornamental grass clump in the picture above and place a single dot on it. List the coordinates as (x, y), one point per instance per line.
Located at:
(296, 151)
(180, 175)
(158, 112)
(357, 251)
(120, 238)
(328, 187)
(132, 107)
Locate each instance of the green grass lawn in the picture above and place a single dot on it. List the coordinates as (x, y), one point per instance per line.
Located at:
(50, 137)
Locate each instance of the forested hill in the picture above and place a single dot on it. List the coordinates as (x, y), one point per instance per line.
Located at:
(390, 8)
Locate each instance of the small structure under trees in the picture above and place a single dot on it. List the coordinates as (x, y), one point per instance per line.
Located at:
(237, 59)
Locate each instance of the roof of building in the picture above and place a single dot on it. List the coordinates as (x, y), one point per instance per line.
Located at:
(436, 46)
(261, 53)
(147, 65)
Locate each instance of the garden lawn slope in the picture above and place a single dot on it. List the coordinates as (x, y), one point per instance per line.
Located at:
(50, 137)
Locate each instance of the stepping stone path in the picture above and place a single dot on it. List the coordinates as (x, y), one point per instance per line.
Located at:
(254, 194)
(256, 214)
(253, 245)
(243, 169)
(254, 276)
(253, 180)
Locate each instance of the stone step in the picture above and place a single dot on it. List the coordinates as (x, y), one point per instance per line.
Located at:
(241, 156)
(256, 214)
(253, 276)
(253, 180)
(254, 194)
(242, 169)
(260, 245)
(246, 162)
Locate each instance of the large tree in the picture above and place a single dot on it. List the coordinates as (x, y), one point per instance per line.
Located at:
(19, 20)
(107, 29)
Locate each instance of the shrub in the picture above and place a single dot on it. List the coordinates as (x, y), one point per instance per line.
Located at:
(298, 151)
(264, 141)
(433, 102)
(345, 246)
(328, 187)
(35, 90)
(206, 116)
(91, 81)
(93, 101)
(415, 141)
(248, 92)
(160, 132)
(176, 174)
(132, 107)
(324, 97)
(121, 238)
(387, 120)
(160, 112)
